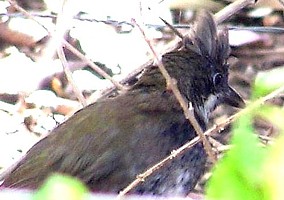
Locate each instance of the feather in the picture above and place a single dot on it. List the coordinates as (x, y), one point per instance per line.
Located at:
(204, 39)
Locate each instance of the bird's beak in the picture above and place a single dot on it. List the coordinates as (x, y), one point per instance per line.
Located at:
(232, 98)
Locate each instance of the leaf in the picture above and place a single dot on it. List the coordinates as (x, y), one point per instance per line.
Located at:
(274, 162)
(273, 171)
(274, 114)
(237, 175)
(59, 187)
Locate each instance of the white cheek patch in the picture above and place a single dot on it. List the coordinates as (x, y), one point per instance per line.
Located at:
(209, 105)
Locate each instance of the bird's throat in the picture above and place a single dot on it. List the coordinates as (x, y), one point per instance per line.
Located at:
(207, 107)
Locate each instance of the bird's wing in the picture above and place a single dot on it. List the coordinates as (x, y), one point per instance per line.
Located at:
(81, 155)
(34, 168)
(99, 143)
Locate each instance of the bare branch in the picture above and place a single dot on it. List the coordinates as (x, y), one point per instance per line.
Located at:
(231, 9)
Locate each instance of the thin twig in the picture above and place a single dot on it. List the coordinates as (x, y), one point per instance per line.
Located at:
(216, 128)
(176, 32)
(69, 76)
(219, 17)
(175, 153)
(231, 9)
(25, 13)
(93, 65)
(116, 23)
(200, 137)
(59, 33)
(188, 111)
(73, 50)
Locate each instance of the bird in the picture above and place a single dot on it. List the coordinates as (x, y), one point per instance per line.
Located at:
(109, 142)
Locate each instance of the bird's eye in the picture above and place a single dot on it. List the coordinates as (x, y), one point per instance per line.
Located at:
(217, 79)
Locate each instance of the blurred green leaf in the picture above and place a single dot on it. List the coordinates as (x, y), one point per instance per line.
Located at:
(249, 171)
(273, 171)
(274, 162)
(58, 187)
(274, 114)
(236, 177)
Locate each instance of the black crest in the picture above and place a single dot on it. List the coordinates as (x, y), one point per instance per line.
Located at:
(205, 40)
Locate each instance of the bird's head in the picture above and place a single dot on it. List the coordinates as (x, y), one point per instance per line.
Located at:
(200, 67)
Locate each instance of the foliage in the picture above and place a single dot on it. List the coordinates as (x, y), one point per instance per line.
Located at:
(59, 187)
(249, 170)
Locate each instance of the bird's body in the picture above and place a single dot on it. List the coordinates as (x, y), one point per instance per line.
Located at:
(108, 143)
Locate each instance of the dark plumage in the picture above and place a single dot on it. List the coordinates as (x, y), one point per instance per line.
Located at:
(108, 143)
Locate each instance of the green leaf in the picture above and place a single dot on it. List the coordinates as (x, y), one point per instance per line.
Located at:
(274, 162)
(273, 171)
(249, 171)
(58, 187)
(274, 114)
(236, 176)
